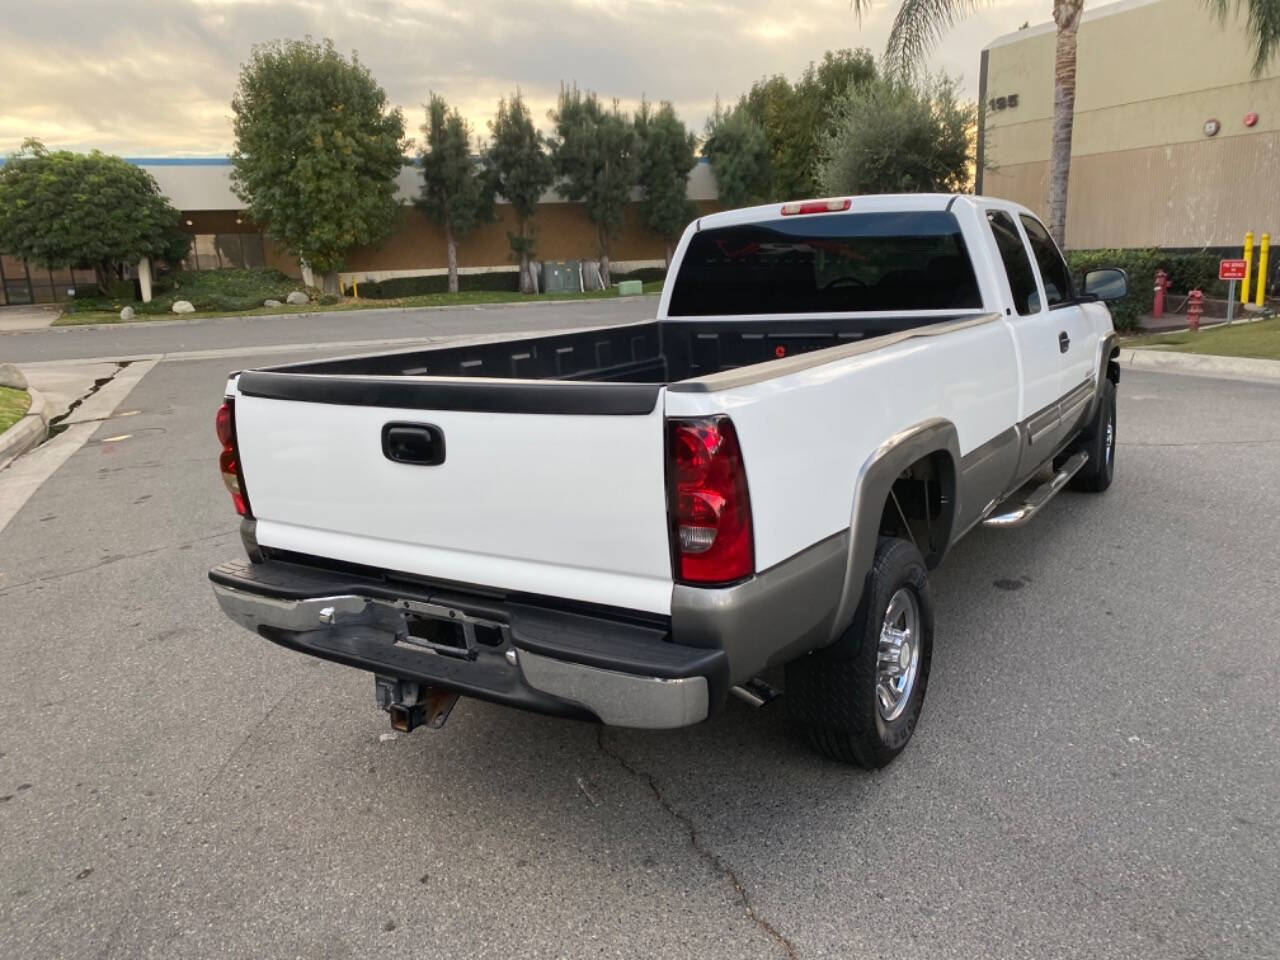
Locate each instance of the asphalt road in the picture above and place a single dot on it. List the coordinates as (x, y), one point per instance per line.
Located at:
(1095, 773)
(184, 336)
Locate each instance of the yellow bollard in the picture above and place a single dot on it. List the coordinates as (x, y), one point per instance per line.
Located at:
(355, 288)
(1248, 266)
(1263, 249)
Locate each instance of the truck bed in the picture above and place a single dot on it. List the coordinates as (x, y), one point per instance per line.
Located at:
(653, 352)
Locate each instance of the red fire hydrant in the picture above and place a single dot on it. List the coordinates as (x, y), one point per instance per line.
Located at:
(1195, 309)
(1163, 283)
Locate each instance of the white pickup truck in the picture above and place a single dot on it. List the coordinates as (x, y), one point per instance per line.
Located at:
(626, 524)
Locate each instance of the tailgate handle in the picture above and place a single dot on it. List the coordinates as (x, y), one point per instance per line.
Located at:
(421, 444)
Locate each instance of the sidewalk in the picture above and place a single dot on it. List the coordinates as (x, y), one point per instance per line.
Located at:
(34, 317)
(1215, 313)
(1202, 364)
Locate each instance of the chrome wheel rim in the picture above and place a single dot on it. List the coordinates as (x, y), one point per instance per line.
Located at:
(898, 659)
(1111, 439)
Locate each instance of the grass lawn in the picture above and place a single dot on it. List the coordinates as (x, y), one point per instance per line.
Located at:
(462, 299)
(1260, 339)
(13, 406)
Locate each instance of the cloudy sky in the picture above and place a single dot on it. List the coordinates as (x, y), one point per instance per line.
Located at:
(155, 77)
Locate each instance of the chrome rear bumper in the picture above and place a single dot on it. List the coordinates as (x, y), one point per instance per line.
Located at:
(361, 631)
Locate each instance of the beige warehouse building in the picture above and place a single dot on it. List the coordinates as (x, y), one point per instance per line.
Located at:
(222, 236)
(1175, 141)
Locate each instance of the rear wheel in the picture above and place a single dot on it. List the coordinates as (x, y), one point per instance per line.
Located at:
(1099, 441)
(859, 699)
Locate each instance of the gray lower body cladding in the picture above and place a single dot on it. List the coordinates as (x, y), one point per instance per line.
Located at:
(775, 616)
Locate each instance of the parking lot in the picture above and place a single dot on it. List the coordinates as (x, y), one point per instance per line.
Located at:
(1095, 773)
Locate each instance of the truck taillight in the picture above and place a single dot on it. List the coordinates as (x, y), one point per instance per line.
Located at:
(229, 459)
(710, 509)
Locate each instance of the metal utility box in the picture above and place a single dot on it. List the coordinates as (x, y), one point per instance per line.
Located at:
(561, 276)
(630, 288)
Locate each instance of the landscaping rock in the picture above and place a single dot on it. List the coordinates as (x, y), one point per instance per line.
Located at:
(126, 314)
(11, 376)
(297, 298)
(271, 303)
(183, 306)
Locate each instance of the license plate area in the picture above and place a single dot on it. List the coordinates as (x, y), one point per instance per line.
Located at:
(445, 630)
(435, 633)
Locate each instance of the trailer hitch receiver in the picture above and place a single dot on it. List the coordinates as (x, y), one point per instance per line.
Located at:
(411, 705)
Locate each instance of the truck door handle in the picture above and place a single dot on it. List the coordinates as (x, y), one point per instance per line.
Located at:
(1064, 342)
(421, 444)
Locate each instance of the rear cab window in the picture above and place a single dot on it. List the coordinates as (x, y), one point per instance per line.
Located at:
(831, 263)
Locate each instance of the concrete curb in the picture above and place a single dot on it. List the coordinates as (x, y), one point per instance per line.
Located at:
(1204, 365)
(27, 432)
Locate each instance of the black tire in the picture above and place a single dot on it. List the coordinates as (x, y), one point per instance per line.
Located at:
(833, 692)
(1099, 441)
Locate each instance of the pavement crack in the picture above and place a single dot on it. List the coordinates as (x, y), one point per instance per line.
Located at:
(235, 752)
(58, 423)
(114, 558)
(706, 853)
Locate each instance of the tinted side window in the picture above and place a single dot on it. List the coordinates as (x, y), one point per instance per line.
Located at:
(1013, 252)
(1053, 269)
(832, 263)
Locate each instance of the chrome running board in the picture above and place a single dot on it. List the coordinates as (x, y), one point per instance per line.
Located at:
(1038, 497)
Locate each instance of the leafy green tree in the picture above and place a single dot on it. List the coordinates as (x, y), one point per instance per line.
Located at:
(892, 135)
(839, 68)
(455, 192)
(794, 117)
(521, 172)
(85, 211)
(771, 104)
(666, 157)
(317, 152)
(920, 23)
(739, 154)
(595, 153)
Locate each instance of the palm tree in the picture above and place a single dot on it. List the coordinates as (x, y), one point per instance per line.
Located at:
(920, 23)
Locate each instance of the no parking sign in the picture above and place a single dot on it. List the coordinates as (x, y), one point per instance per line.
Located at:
(1231, 271)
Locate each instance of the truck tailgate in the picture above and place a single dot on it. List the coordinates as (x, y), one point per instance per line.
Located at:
(557, 504)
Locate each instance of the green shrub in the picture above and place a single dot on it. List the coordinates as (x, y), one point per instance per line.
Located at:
(257, 282)
(327, 299)
(1195, 271)
(227, 291)
(123, 291)
(1187, 271)
(505, 281)
(226, 303)
(397, 287)
(161, 305)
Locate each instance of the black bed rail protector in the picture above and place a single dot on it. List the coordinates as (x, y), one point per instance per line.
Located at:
(481, 396)
(621, 353)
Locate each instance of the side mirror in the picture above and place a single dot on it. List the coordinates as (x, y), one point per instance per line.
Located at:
(1107, 284)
